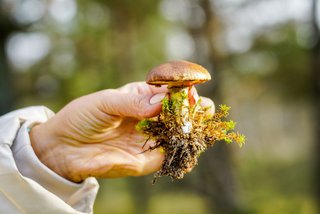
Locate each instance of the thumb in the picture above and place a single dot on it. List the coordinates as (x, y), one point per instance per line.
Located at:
(132, 105)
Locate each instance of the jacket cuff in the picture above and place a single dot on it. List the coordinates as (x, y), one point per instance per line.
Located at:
(80, 196)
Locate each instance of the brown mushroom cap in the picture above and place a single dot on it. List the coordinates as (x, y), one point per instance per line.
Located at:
(178, 73)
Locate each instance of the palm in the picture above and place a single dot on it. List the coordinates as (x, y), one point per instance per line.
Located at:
(107, 145)
(120, 154)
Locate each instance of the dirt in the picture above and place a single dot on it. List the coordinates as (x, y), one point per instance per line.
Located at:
(182, 149)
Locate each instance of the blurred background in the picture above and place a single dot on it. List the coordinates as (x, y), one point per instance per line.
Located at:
(264, 56)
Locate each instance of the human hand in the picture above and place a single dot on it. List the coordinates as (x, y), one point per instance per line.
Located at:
(95, 135)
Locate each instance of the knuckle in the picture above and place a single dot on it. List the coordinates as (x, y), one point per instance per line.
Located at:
(138, 105)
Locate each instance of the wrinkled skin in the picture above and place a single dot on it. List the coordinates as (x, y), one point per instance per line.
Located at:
(95, 136)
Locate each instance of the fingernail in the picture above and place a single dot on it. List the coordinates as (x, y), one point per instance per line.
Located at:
(157, 98)
(196, 96)
(194, 93)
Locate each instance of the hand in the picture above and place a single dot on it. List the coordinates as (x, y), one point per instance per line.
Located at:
(95, 135)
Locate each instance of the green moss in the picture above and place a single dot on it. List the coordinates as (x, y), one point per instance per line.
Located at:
(224, 108)
(167, 105)
(183, 149)
(175, 103)
(143, 125)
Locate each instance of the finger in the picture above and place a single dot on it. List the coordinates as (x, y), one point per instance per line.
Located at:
(133, 105)
(158, 89)
(206, 102)
(154, 157)
(143, 88)
(193, 95)
(121, 163)
(152, 161)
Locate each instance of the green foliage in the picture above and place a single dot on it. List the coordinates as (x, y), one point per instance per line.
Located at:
(110, 43)
(106, 45)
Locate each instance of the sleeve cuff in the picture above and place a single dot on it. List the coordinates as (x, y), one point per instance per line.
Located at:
(80, 196)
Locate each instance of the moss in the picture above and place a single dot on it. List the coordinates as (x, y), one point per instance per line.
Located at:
(182, 150)
(143, 125)
(174, 104)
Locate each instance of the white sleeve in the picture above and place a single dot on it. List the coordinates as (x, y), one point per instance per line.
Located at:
(27, 185)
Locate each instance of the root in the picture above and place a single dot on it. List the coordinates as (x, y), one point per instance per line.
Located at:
(182, 150)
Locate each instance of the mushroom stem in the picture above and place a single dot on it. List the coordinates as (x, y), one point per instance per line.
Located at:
(181, 95)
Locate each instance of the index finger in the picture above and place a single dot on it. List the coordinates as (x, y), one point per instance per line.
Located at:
(142, 88)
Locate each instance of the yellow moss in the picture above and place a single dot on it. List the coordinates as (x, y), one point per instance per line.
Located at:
(183, 149)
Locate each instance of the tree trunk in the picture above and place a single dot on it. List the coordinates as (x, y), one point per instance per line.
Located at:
(216, 174)
(6, 100)
(316, 95)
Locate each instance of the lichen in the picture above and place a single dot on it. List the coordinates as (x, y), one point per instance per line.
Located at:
(181, 149)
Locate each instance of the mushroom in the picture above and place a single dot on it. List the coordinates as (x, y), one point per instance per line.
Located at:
(184, 129)
(179, 76)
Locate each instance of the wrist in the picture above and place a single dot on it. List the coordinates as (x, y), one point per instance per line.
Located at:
(48, 150)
